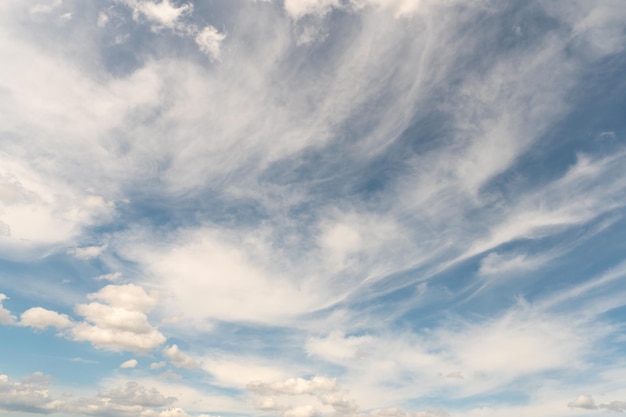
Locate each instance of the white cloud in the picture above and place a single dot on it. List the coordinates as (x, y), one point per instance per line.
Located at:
(131, 363)
(113, 276)
(197, 263)
(29, 396)
(103, 19)
(238, 371)
(583, 401)
(46, 7)
(133, 393)
(300, 8)
(508, 263)
(336, 347)
(121, 323)
(157, 365)
(178, 358)
(163, 12)
(87, 252)
(617, 406)
(209, 40)
(129, 297)
(294, 386)
(41, 318)
(5, 315)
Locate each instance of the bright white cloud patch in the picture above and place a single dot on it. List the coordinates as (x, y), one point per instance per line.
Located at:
(87, 252)
(5, 315)
(583, 401)
(40, 318)
(131, 363)
(121, 323)
(209, 40)
(178, 358)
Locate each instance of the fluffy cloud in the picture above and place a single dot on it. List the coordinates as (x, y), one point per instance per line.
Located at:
(129, 297)
(120, 323)
(583, 401)
(326, 392)
(131, 363)
(41, 318)
(163, 13)
(178, 358)
(30, 395)
(617, 406)
(87, 252)
(5, 315)
(209, 40)
(135, 394)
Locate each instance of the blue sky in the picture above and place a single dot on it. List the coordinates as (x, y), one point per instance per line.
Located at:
(312, 208)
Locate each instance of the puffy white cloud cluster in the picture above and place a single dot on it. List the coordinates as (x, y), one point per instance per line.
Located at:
(319, 396)
(179, 359)
(117, 320)
(41, 318)
(120, 321)
(587, 402)
(5, 315)
(32, 395)
(29, 395)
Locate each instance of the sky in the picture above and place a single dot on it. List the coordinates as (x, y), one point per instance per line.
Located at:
(312, 208)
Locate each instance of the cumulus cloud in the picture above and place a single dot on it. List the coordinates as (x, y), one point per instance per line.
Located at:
(133, 393)
(326, 392)
(131, 363)
(129, 297)
(30, 395)
(583, 401)
(5, 315)
(120, 323)
(178, 358)
(41, 318)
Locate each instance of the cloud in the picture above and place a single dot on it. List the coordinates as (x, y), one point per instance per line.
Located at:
(336, 347)
(163, 13)
(131, 363)
(617, 406)
(29, 396)
(209, 40)
(5, 315)
(157, 365)
(583, 401)
(178, 358)
(87, 252)
(133, 393)
(120, 323)
(326, 392)
(113, 276)
(294, 386)
(128, 297)
(41, 318)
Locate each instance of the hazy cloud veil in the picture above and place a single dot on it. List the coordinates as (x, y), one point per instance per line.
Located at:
(298, 208)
